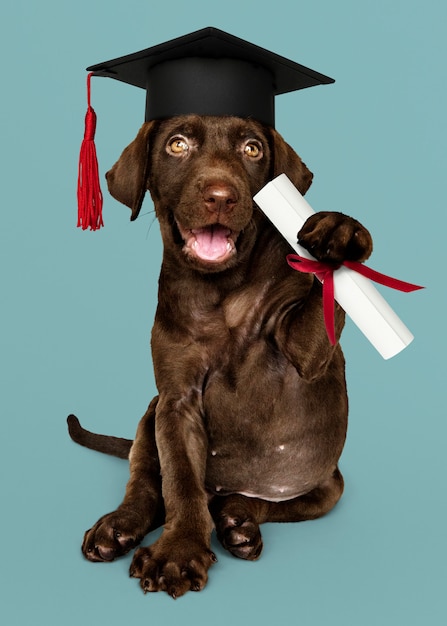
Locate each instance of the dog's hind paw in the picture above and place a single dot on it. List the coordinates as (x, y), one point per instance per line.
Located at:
(241, 537)
(236, 526)
(112, 536)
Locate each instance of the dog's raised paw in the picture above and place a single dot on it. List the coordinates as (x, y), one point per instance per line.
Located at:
(333, 237)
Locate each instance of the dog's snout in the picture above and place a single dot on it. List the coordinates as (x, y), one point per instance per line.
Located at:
(220, 198)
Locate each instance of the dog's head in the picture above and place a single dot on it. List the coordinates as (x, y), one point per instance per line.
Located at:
(202, 173)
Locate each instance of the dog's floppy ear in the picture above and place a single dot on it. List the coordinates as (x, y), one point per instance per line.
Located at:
(286, 161)
(127, 180)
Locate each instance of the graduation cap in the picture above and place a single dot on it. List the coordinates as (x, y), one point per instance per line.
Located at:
(207, 72)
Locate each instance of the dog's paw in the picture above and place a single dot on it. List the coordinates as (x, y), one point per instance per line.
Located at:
(113, 535)
(333, 238)
(240, 535)
(174, 566)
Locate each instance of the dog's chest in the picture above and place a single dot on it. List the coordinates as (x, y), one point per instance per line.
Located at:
(240, 308)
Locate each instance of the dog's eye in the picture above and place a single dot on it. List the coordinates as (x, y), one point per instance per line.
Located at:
(177, 146)
(253, 150)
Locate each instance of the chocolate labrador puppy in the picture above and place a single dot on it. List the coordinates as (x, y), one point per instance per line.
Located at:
(250, 419)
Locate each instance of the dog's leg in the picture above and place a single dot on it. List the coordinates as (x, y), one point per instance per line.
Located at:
(237, 517)
(179, 560)
(332, 238)
(116, 533)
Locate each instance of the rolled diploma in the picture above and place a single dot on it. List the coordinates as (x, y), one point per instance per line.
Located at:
(286, 208)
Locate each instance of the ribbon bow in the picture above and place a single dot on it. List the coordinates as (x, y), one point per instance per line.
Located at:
(325, 273)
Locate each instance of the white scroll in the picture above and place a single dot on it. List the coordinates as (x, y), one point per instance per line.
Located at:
(286, 208)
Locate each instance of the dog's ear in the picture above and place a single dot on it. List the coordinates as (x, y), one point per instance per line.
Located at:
(286, 161)
(127, 180)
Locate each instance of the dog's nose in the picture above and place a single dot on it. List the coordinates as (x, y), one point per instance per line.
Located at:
(220, 198)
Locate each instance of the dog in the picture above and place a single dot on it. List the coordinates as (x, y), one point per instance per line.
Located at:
(251, 414)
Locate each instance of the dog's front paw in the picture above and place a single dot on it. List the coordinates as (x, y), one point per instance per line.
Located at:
(333, 238)
(113, 535)
(174, 565)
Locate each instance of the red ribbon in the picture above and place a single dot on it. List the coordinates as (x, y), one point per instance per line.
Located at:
(325, 273)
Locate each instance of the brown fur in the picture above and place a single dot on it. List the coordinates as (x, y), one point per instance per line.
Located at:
(250, 420)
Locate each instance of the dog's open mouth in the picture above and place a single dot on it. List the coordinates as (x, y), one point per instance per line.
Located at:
(211, 244)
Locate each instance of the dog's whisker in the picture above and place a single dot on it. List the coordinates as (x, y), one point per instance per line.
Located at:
(154, 219)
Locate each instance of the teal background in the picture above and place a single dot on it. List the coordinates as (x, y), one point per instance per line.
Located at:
(77, 309)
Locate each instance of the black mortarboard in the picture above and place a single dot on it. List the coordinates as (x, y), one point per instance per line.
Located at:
(209, 72)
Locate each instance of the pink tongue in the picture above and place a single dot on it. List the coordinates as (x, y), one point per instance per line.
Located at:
(211, 242)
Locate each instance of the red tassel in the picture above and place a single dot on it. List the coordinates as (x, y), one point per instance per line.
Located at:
(89, 189)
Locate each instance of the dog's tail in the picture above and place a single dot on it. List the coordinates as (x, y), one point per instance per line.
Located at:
(115, 446)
